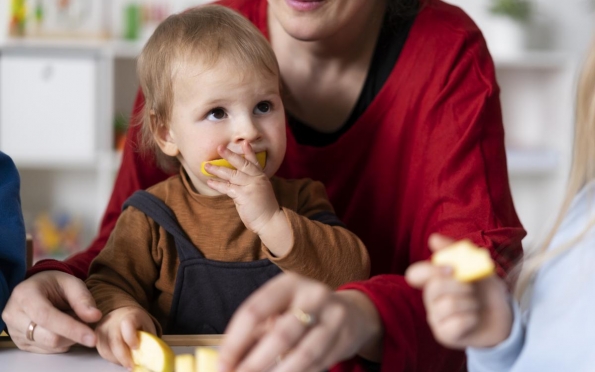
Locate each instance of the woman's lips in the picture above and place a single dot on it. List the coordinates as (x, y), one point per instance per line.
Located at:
(305, 5)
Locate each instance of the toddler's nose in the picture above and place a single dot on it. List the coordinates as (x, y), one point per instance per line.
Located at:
(246, 130)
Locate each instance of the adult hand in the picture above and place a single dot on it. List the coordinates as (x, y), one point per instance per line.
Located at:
(461, 315)
(44, 299)
(266, 332)
(116, 334)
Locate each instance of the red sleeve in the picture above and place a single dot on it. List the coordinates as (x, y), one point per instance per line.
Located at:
(136, 172)
(408, 343)
(466, 194)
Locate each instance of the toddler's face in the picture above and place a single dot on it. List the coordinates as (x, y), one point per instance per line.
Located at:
(224, 106)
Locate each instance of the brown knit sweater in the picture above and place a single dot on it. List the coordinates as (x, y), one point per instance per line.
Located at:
(139, 263)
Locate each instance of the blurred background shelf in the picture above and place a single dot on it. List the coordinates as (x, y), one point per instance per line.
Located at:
(533, 60)
(532, 162)
(118, 48)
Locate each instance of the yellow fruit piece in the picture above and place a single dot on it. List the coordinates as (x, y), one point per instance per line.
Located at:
(206, 359)
(261, 157)
(185, 363)
(153, 354)
(469, 262)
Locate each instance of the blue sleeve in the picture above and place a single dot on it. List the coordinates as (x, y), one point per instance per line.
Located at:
(502, 357)
(12, 231)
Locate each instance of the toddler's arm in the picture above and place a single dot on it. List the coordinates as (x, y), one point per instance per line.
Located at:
(310, 241)
(125, 272)
(322, 247)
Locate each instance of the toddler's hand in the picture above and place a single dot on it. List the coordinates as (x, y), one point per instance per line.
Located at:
(461, 315)
(116, 333)
(247, 185)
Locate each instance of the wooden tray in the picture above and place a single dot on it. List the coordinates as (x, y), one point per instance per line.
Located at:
(171, 340)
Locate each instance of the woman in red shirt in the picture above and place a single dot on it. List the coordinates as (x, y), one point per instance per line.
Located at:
(393, 105)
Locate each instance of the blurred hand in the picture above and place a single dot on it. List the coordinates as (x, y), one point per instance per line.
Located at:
(266, 335)
(60, 304)
(461, 315)
(116, 334)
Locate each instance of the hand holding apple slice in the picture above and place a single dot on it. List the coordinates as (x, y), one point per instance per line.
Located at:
(469, 262)
(152, 354)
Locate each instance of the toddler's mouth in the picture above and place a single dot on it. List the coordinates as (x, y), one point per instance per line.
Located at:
(261, 157)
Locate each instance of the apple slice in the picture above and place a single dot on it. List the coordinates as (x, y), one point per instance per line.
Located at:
(469, 262)
(185, 363)
(153, 354)
(261, 157)
(206, 359)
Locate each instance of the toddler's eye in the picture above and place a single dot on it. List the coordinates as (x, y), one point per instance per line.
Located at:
(262, 107)
(216, 114)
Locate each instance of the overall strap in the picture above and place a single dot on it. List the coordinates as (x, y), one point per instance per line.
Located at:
(156, 209)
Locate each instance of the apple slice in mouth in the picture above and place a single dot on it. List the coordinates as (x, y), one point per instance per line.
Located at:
(261, 157)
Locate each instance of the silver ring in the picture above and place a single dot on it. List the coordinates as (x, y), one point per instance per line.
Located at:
(306, 319)
(30, 330)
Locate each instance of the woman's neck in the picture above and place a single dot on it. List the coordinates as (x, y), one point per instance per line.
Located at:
(347, 47)
(322, 79)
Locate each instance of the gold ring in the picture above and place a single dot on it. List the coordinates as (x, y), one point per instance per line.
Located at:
(30, 330)
(306, 319)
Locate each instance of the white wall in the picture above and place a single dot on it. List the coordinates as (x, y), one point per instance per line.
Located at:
(538, 102)
(568, 22)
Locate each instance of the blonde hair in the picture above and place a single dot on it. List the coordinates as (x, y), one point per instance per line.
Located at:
(204, 34)
(581, 173)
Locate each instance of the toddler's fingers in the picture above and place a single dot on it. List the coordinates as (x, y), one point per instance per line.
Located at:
(447, 306)
(121, 351)
(418, 274)
(249, 153)
(241, 164)
(437, 242)
(223, 187)
(452, 330)
(129, 333)
(439, 286)
(104, 348)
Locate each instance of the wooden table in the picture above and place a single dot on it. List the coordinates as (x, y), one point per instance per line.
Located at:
(81, 359)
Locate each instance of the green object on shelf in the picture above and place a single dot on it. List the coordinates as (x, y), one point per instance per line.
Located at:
(519, 10)
(39, 11)
(132, 21)
(120, 123)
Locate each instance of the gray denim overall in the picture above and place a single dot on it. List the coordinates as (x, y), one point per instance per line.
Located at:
(207, 292)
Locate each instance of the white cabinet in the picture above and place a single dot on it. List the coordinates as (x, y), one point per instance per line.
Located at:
(48, 108)
(58, 100)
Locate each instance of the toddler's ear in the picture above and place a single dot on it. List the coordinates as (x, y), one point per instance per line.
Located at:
(163, 136)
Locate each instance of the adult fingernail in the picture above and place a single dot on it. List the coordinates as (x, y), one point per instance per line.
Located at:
(221, 367)
(89, 340)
